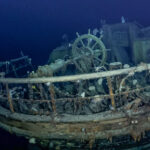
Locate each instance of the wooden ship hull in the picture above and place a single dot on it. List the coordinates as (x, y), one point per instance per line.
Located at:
(99, 101)
(100, 126)
(129, 119)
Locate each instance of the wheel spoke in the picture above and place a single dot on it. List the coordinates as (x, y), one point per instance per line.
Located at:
(99, 52)
(99, 60)
(94, 45)
(78, 51)
(89, 41)
(83, 45)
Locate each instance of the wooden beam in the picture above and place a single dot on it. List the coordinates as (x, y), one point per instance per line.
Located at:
(140, 68)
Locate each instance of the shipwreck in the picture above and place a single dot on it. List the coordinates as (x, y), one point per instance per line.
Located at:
(95, 90)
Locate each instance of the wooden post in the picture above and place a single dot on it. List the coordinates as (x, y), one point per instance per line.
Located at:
(41, 90)
(14, 70)
(111, 92)
(9, 99)
(30, 91)
(52, 93)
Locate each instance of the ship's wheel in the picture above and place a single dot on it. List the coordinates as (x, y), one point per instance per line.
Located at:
(90, 50)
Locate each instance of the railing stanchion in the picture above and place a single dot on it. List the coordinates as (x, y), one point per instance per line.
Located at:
(41, 90)
(52, 94)
(111, 93)
(9, 98)
(30, 91)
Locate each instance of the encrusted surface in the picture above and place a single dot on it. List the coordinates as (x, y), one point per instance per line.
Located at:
(135, 125)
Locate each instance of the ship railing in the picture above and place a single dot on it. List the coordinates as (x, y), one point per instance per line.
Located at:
(50, 81)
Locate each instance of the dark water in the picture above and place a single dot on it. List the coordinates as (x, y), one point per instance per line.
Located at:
(36, 27)
(9, 141)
